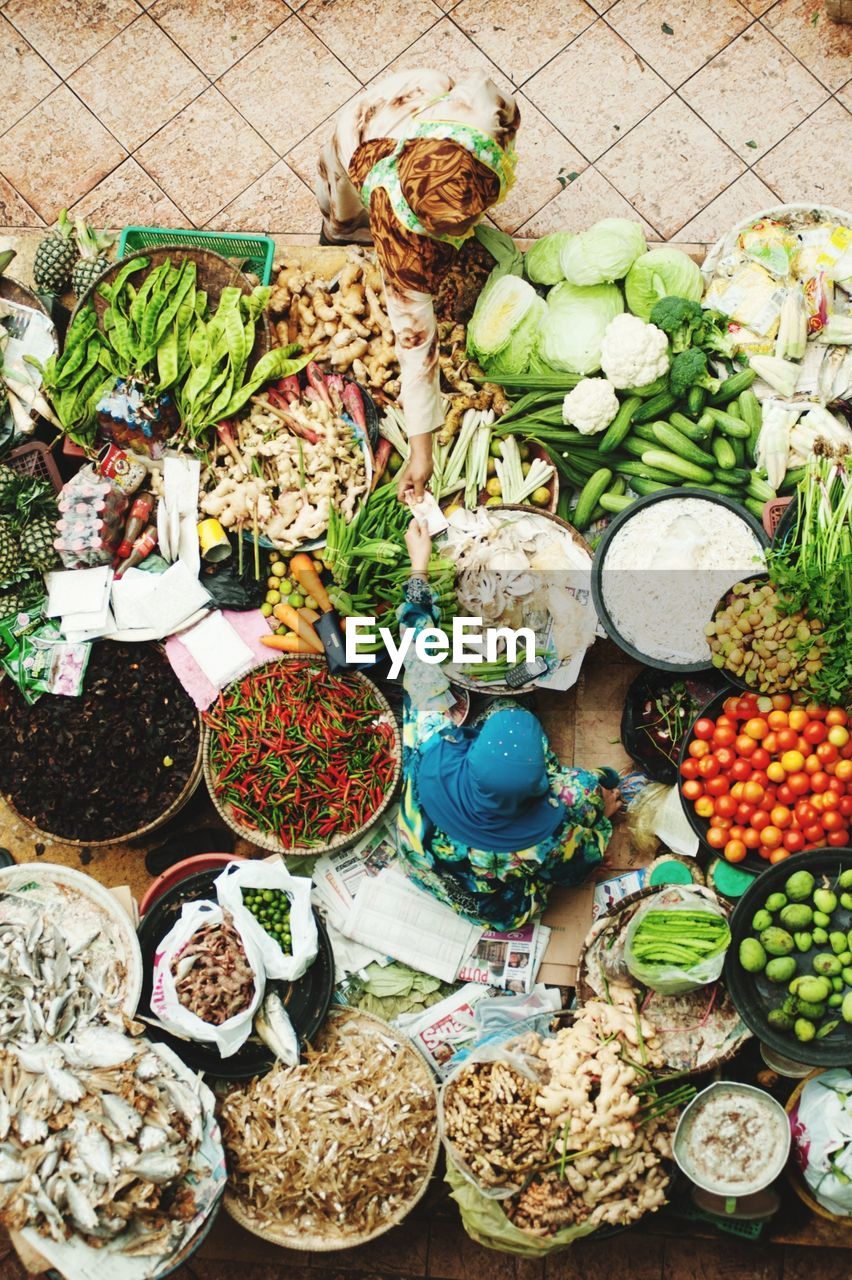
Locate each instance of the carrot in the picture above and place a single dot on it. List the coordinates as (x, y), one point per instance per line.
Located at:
(291, 643)
(310, 615)
(302, 569)
(287, 614)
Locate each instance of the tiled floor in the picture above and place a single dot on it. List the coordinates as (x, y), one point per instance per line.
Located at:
(209, 112)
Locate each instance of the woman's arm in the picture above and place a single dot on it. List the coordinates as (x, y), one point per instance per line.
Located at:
(412, 316)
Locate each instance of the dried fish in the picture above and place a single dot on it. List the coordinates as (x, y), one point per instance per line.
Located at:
(338, 1144)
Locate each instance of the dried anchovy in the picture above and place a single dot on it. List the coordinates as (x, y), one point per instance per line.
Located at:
(213, 978)
(337, 1144)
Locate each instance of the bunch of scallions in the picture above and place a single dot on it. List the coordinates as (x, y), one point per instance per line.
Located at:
(812, 566)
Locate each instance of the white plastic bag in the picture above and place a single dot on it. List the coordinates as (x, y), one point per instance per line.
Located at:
(668, 979)
(821, 1123)
(228, 1036)
(238, 876)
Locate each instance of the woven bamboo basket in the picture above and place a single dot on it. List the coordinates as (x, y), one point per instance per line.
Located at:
(292, 1237)
(795, 1179)
(214, 273)
(271, 843)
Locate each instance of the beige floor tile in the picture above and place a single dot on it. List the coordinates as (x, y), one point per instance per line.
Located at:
(582, 202)
(815, 161)
(116, 84)
(205, 156)
(825, 47)
(57, 153)
(299, 102)
(303, 157)
(670, 166)
(845, 95)
(15, 212)
(216, 33)
(758, 7)
(129, 197)
(602, 6)
(678, 36)
(596, 90)
(744, 197)
(67, 32)
(522, 35)
(446, 47)
(279, 201)
(350, 27)
(753, 93)
(25, 78)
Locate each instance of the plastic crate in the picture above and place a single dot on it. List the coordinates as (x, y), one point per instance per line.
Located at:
(772, 513)
(35, 459)
(253, 252)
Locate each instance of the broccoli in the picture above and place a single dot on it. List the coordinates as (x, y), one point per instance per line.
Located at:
(681, 319)
(689, 369)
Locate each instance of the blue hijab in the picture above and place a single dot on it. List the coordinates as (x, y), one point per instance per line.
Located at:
(488, 786)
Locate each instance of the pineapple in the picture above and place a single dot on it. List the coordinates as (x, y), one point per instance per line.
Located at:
(55, 256)
(10, 552)
(19, 596)
(36, 543)
(91, 262)
(8, 484)
(28, 508)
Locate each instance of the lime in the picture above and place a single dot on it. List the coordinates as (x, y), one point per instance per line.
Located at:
(494, 487)
(495, 449)
(266, 609)
(297, 600)
(310, 602)
(272, 597)
(541, 497)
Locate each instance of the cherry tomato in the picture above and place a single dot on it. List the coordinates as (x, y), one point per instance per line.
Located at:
(775, 771)
(805, 813)
(704, 806)
(693, 788)
(737, 791)
(846, 806)
(725, 756)
(760, 819)
(726, 722)
(770, 742)
(751, 839)
(765, 853)
(725, 823)
(699, 747)
(740, 770)
(785, 795)
(761, 757)
(703, 728)
(813, 834)
(833, 821)
(718, 786)
(689, 768)
(753, 793)
(736, 832)
(813, 764)
(745, 813)
(797, 718)
(838, 839)
(723, 736)
(778, 855)
(799, 783)
(745, 746)
(830, 800)
(735, 851)
(792, 761)
(838, 735)
(794, 841)
(731, 708)
(836, 716)
(827, 752)
(747, 706)
(815, 710)
(844, 770)
(781, 817)
(708, 767)
(717, 837)
(758, 776)
(777, 719)
(820, 782)
(815, 731)
(771, 836)
(787, 739)
(756, 728)
(782, 701)
(725, 806)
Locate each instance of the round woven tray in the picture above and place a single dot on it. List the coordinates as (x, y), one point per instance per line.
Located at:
(611, 924)
(265, 840)
(188, 790)
(293, 1237)
(792, 1173)
(213, 274)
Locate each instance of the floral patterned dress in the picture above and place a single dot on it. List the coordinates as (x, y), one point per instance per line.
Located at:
(503, 890)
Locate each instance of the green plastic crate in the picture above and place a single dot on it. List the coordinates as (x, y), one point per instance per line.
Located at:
(253, 252)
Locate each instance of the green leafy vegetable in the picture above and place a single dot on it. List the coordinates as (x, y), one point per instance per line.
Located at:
(661, 273)
(500, 308)
(689, 369)
(542, 261)
(572, 328)
(603, 253)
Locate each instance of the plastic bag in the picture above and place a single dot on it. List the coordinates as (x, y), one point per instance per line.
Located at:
(303, 928)
(642, 818)
(668, 979)
(230, 590)
(821, 1123)
(165, 1005)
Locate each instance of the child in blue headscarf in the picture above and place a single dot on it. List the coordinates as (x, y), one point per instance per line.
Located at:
(489, 818)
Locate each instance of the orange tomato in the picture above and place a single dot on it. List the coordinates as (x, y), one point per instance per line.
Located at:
(778, 855)
(699, 747)
(737, 790)
(812, 764)
(781, 816)
(844, 770)
(751, 839)
(838, 735)
(827, 752)
(760, 819)
(833, 821)
(708, 767)
(816, 710)
(735, 851)
(723, 735)
(794, 841)
(799, 783)
(836, 716)
(782, 701)
(770, 742)
(777, 719)
(757, 728)
(772, 837)
(731, 708)
(745, 746)
(797, 718)
(776, 771)
(704, 806)
(820, 782)
(753, 793)
(717, 837)
(792, 761)
(693, 789)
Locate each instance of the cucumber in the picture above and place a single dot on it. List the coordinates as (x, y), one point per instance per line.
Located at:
(620, 425)
(706, 421)
(695, 430)
(755, 507)
(637, 446)
(723, 453)
(618, 487)
(792, 480)
(656, 407)
(643, 431)
(646, 487)
(751, 412)
(670, 438)
(734, 475)
(732, 386)
(696, 399)
(581, 463)
(730, 425)
(563, 506)
(676, 466)
(632, 468)
(615, 502)
(590, 496)
(740, 447)
(759, 488)
(716, 487)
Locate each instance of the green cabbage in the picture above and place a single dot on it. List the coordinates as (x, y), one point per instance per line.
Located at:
(514, 358)
(542, 261)
(572, 328)
(603, 253)
(500, 309)
(661, 273)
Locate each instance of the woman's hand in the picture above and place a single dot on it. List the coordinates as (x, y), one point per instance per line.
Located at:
(418, 470)
(419, 543)
(613, 802)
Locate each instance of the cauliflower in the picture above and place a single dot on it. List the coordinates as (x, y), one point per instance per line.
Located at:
(591, 406)
(633, 353)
